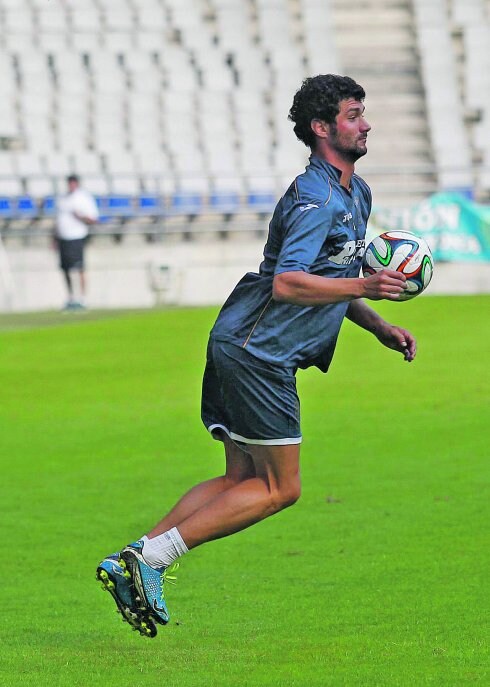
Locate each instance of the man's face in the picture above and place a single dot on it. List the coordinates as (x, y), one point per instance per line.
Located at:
(72, 185)
(349, 132)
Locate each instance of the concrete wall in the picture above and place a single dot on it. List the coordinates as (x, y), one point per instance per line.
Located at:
(135, 274)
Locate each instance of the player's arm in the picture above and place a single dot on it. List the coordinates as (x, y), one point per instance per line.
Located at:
(389, 335)
(86, 210)
(306, 228)
(84, 218)
(302, 288)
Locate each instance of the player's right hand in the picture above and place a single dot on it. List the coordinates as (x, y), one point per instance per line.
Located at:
(385, 284)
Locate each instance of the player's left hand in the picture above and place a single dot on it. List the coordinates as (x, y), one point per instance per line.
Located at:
(399, 340)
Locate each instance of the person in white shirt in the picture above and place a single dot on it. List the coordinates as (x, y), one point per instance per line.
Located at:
(76, 211)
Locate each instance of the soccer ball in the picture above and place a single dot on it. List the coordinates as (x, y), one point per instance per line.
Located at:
(405, 253)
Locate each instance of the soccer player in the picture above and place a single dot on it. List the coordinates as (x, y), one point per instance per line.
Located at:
(286, 317)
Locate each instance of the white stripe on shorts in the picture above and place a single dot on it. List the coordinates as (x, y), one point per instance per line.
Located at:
(261, 442)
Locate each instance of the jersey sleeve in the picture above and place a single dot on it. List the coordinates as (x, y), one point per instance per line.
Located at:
(305, 230)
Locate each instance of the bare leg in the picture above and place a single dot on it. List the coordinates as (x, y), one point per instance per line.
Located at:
(69, 284)
(83, 284)
(239, 466)
(276, 485)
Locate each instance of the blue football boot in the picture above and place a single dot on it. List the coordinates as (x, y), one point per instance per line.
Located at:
(147, 582)
(116, 580)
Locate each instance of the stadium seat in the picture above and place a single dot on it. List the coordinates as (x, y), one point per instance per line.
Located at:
(48, 206)
(20, 207)
(150, 205)
(124, 184)
(97, 184)
(7, 205)
(150, 17)
(114, 208)
(261, 201)
(7, 167)
(186, 203)
(189, 99)
(117, 16)
(224, 202)
(10, 186)
(118, 206)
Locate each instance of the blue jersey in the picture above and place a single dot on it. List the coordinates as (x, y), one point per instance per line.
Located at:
(317, 227)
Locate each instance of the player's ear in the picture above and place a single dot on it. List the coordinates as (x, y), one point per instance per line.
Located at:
(320, 128)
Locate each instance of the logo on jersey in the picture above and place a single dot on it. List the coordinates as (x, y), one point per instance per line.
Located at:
(303, 208)
(351, 251)
(347, 217)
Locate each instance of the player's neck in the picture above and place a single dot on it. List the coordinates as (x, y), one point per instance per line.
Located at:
(345, 166)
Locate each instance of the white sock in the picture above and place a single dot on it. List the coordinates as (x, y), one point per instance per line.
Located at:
(163, 549)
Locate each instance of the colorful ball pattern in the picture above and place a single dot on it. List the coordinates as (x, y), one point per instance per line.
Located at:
(404, 252)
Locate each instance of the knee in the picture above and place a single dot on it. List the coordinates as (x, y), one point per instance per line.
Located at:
(286, 495)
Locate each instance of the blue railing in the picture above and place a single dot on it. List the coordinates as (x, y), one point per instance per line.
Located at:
(121, 208)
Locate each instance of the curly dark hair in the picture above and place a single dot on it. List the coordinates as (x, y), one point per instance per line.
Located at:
(319, 98)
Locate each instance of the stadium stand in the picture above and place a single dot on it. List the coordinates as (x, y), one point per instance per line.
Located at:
(179, 107)
(470, 23)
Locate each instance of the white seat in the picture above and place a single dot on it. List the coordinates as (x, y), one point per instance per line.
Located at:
(39, 187)
(444, 108)
(254, 161)
(11, 4)
(180, 105)
(53, 42)
(52, 18)
(228, 183)
(477, 66)
(468, 12)
(141, 105)
(194, 183)
(261, 182)
(430, 14)
(9, 124)
(118, 42)
(150, 16)
(252, 71)
(109, 82)
(57, 164)
(26, 163)
(7, 166)
(190, 162)
(85, 18)
(150, 40)
(86, 41)
(70, 63)
(221, 160)
(234, 27)
(125, 184)
(85, 162)
(105, 142)
(98, 184)
(120, 163)
(152, 162)
(10, 187)
(117, 16)
(38, 133)
(18, 19)
(107, 125)
(144, 74)
(179, 73)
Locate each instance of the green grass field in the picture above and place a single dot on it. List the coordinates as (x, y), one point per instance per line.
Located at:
(378, 577)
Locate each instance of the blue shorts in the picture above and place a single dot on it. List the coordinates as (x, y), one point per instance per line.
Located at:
(71, 254)
(252, 401)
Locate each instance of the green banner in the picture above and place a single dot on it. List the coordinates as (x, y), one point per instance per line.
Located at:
(456, 229)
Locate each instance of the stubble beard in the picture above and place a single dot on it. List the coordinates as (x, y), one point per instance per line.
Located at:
(348, 153)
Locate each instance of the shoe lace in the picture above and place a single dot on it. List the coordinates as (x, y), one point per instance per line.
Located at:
(169, 576)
